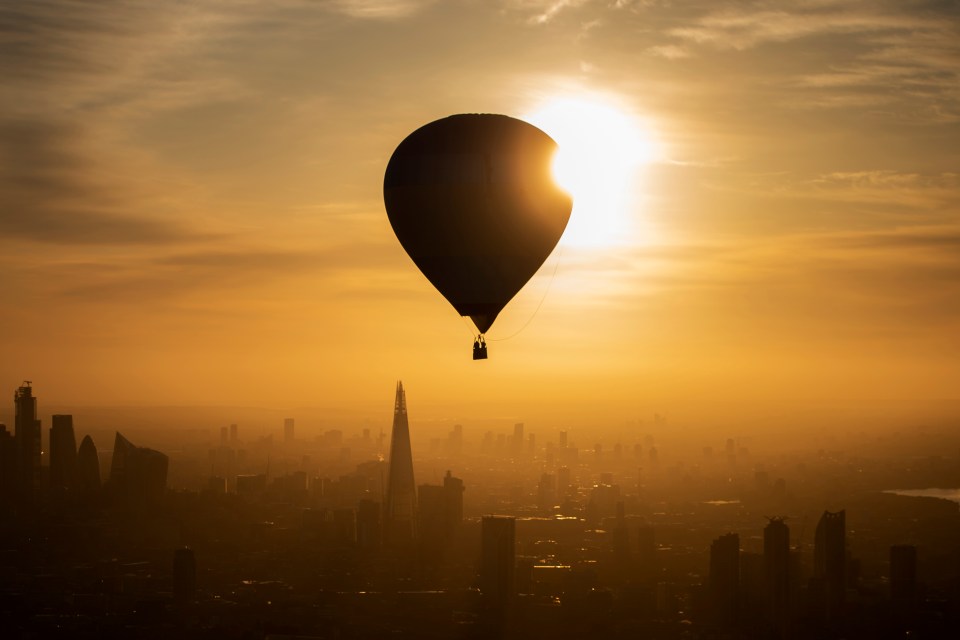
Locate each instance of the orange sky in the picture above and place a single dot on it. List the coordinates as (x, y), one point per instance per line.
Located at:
(192, 212)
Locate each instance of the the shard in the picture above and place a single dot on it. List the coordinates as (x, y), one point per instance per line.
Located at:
(400, 509)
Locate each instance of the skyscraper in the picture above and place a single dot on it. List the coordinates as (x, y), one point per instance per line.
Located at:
(400, 510)
(725, 578)
(28, 442)
(288, 424)
(368, 525)
(647, 565)
(497, 559)
(517, 442)
(8, 467)
(63, 453)
(830, 560)
(137, 474)
(184, 575)
(453, 497)
(88, 466)
(903, 573)
(776, 568)
(621, 543)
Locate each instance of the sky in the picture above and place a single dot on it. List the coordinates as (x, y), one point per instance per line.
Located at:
(191, 206)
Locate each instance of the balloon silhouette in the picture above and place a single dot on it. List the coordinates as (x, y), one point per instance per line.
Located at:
(473, 202)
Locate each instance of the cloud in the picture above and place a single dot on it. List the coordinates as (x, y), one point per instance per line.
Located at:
(927, 241)
(743, 29)
(219, 272)
(381, 9)
(669, 51)
(904, 55)
(49, 194)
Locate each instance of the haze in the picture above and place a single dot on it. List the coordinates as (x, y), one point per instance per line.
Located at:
(192, 209)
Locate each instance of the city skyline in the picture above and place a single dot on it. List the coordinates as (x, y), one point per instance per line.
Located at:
(534, 533)
(723, 402)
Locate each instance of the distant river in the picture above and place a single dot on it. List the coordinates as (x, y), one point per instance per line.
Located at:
(945, 494)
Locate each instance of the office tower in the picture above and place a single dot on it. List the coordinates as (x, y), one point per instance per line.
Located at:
(563, 439)
(217, 485)
(431, 522)
(725, 578)
(28, 442)
(88, 466)
(546, 492)
(455, 439)
(288, 429)
(903, 573)
(829, 560)
(344, 527)
(251, 485)
(400, 511)
(563, 483)
(517, 442)
(647, 564)
(184, 575)
(497, 559)
(776, 569)
(8, 466)
(137, 474)
(368, 525)
(752, 601)
(233, 434)
(63, 453)
(453, 497)
(621, 542)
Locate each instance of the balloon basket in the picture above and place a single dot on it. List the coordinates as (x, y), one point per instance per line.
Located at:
(480, 349)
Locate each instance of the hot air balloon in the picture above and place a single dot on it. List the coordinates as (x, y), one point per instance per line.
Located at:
(472, 200)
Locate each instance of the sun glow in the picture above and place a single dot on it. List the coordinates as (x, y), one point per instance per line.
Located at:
(601, 151)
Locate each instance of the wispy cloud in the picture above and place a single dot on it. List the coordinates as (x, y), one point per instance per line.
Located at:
(49, 194)
(381, 9)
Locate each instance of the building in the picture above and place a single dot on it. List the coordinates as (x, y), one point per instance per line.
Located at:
(368, 525)
(453, 497)
(516, 445)
(621, 544)
(724, 582)
(137, 475)
(400, 510)
(8, 467)
(29, 446)
(439, 514)
(903, 573)
(63, 453)
(431, 522)
(497, 560)
(776, 569)
(546, 492)
(830, 562)
(184, 575)
(648, 568)
(88, 466)
(288, 429)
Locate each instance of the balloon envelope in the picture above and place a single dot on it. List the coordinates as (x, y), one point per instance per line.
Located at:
(473, 202)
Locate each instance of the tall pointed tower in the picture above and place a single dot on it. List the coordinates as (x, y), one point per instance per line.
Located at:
(400, 510)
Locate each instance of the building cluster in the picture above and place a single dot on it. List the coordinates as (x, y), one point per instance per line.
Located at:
(332, 539)
(137, 477)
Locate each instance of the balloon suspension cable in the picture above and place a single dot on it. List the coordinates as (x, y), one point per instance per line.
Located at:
(526, 324)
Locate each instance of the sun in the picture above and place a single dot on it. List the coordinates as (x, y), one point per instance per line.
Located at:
(601, 149)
